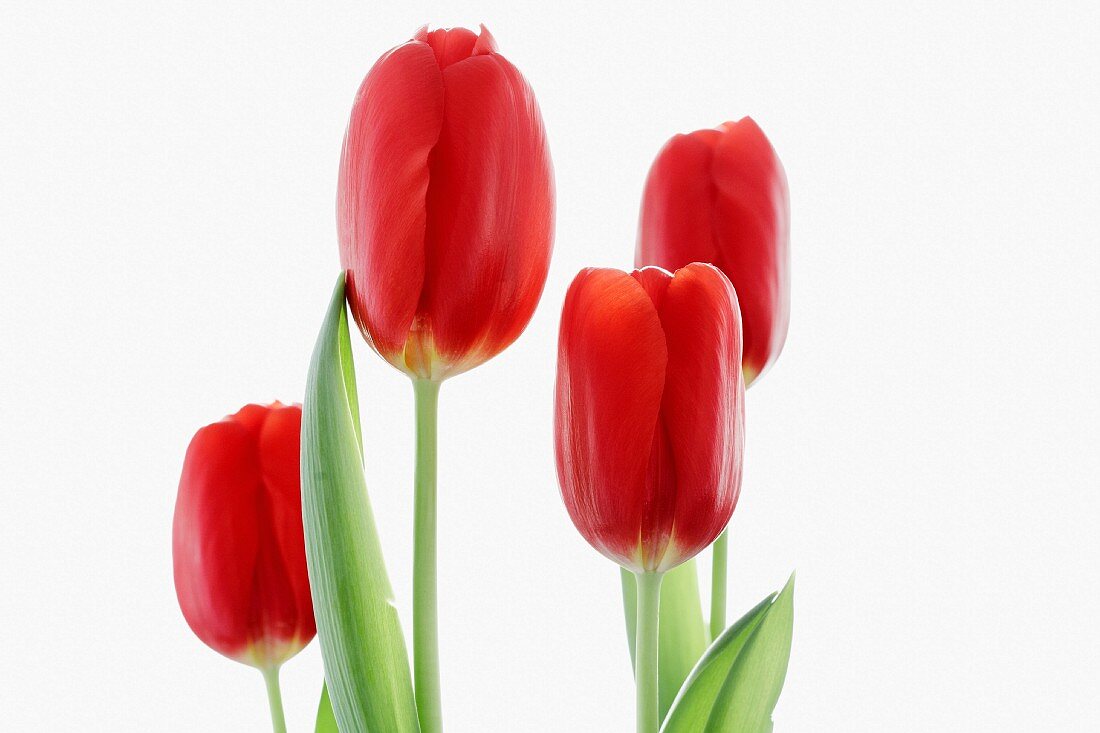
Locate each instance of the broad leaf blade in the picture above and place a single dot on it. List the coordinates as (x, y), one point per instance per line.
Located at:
(753, 685)
(326, 719)
(736, 684)
(696, 701)
(366, 661)
(683, 635)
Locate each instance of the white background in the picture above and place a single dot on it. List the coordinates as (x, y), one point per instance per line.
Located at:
(924, 452)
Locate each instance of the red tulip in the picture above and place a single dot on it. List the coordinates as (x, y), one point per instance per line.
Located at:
(720, 196)
(445, 210)
(649, 418)
(237, 538)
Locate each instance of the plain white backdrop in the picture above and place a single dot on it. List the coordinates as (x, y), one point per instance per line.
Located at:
(925, 451)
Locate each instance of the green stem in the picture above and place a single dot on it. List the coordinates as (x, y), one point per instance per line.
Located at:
(645, 655)
(275, 699)
(718, 573)
(429, 706)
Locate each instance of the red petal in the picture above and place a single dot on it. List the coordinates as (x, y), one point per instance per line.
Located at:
(660, 481)
(611, 372)
(252, 417)
(490, 209)
(676, 223)
(449, 44)
(752, 224)
(485, 42)
(238, 545)
(655, 281)
(288, 610)
(702, 408)
(215, 537)
(383, 183)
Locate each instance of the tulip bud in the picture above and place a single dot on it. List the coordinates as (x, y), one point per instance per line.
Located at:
(444, 210)
(720, 196)
(237, 540)
(649, 411)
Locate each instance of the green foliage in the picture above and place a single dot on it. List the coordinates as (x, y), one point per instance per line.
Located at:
(366, 661)
(326, 719)
(735, 686)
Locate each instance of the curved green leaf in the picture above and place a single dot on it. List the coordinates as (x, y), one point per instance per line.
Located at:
(736, 684)
(683, 635)
(366, 661)
(754, 683)
(697, 698)
(326, 719)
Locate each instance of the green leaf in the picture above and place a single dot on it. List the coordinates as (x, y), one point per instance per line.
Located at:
(753, 686)
(326, 719)
(683, 635)
(697, 698)
(736, 684)
(366, 661)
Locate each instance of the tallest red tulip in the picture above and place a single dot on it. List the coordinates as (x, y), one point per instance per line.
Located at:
(445, 204)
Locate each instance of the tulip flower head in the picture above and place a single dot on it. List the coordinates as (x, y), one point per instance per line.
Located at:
(444, 210)
(649, 411)
(720, 196)
(237, 540)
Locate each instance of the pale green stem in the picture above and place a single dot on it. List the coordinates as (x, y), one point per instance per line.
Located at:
(718, 573)
(274, 699)
(646, 645)
(429, 706)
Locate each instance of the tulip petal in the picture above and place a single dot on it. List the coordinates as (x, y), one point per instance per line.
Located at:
(215, 536)
(702, 409)
(238, 550)
(655, 281)
(485, 42)
(450, 44)
(280, 449)
(752, 212)
(611, 373)
(383, 183)
(660, 481)
(490, 205)
(252, 417)
(677, 226)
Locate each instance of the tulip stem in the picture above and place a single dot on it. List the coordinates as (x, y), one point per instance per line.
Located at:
(718, 574)
(429, 706)
(647, 643)
(275, 699)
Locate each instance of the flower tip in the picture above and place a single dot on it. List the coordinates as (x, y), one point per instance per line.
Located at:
(654, 281)
(745, 128)
(452, 45)
(749, 123)
(730, 125)
(485, 42)
(647, 268)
